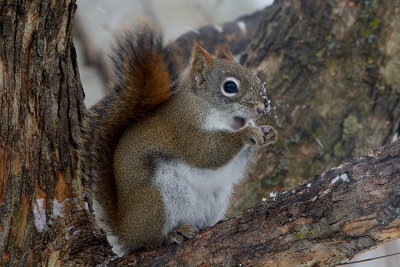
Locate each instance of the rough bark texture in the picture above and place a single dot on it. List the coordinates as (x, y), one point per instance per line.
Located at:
(331, 217)
(40, 112)
(332, 72)
(317, 56)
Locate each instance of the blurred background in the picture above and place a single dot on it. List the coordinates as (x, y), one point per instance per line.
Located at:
(97, 22)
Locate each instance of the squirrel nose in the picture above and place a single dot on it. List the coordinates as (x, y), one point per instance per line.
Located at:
(260, 108)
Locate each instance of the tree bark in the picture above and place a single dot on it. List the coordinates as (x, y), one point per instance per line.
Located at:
(335, 90)
(305, 47)
(40, 112)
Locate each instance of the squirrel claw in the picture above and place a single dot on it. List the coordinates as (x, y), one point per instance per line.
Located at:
(270, 135)
(261, 136)
(179, 234)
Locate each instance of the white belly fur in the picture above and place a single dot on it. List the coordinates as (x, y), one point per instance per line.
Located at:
(198, 196)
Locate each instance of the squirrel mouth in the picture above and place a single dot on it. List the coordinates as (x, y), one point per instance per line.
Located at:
(239, 122)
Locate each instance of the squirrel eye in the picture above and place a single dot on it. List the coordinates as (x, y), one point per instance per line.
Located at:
(230, 87)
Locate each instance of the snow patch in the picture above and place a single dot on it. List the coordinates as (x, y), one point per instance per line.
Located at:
(39, 212)
(58, 208)
(272, 195)
(268, 109)
(342, 176)
(74, 233)
(242, 26)
(86, 205)
(309, 185)
(335, 180)
(218, 28)
(263, 199)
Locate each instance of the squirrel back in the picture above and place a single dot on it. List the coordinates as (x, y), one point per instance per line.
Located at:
(144, 74)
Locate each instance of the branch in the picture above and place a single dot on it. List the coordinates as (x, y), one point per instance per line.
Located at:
(334, 216)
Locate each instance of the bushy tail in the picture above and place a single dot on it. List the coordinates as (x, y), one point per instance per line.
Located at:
(144, 73)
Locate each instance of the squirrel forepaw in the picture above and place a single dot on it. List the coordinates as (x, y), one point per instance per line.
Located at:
(262, 135)
(270, 135)
(179, 234)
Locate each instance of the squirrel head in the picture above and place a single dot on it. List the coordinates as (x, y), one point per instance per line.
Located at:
(234, 95)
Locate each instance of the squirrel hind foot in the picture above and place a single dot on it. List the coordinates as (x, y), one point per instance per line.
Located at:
(181, 233)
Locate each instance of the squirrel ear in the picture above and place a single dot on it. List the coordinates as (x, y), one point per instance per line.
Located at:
(223, 52)
(201, 58)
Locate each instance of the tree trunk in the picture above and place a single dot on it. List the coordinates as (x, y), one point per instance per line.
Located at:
(40, 112)
(308, 53)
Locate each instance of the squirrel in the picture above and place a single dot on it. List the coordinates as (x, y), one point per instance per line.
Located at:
(162, 151)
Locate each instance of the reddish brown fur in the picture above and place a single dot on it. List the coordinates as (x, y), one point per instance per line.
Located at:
(153, 80)
(201, 58)
(223, 52)
(142, 82)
